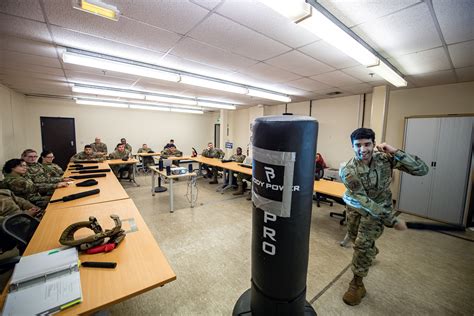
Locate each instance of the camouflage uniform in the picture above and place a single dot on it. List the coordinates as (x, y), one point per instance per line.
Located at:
(118, 168)
(167, 153)
(11, 204)
(39, 176)
(83, 156)
(23, 187)
(53, 170)
(128, 147)
(369, 201)
(147, 161)
(212, 153)
(236, 158)
(100, 147)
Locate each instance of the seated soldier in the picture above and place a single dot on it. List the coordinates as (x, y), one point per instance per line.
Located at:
(127, 145)
(98, 147)
(87, 154)
(52, 169)
(37, 173)
(237, 157)
(11, 204)
(241, 185)
(121, 153)
(16, 181)
(170, 144)
(171, 152)
(211, 152)
(147, 161)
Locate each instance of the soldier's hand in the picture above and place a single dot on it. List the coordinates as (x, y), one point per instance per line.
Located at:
(33, 211)
(400, 225)
(386, 148)
(62, 185)
(67, 179)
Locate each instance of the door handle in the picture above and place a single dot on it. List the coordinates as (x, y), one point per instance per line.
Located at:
(72, 143)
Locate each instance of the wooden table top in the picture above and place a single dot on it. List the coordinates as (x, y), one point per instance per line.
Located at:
(141, 265)
(110, 190)
(332, 188)
(130, 161)
(147, 154)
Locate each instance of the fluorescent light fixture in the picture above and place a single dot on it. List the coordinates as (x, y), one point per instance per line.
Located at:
(386, 72)
(332, 34)
(117, 66)
(108, 92)
(217, 85)
(187, 111)
(293, 9)
(268, 95)
(216, 105)
(148, 107)
(102, 103)
(98, 8)
(171, 100)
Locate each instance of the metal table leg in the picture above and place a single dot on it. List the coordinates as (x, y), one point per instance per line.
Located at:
(171, 195)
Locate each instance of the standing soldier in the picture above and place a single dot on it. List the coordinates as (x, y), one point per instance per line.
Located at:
(98, 147)
(367, 178)
(127, 145)
(87, 155)
(211, 152)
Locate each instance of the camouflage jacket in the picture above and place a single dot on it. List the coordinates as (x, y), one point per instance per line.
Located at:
(167, 153)
(213, 153)
(40, 177)
(11, 204)
(368, 187)
(237, 158)
(119, 155)
(23, 187)
(83, 156)
(100, 147)
(143, 150)
(128, 147)
(53, 170)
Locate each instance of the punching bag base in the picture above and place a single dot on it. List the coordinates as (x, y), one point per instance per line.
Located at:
(242, 307)
(160, 189)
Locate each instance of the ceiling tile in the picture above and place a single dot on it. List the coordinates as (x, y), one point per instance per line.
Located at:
(299, 63)
(329, 55)
(14, 26)
(206, 54)
(208, 4)
(423, 62)
(462, 54)
(35, 68)
(27, 59)
(336, 79)
(356, 12)
(362, 73)
(223, 33)
(269, 74)
(176, 16)
(29, 9)
(72, 39)
(125, 30)
(433, 78)
(308, 84)
(263, 19)
(15, 74)
(404, 32)
(465, 74)
(21, 45)
(359, 88)
(455, 19)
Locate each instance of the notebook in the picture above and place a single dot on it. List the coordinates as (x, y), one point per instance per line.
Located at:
(44, 283)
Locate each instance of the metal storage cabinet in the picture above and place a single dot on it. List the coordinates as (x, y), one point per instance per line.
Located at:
(445, 144)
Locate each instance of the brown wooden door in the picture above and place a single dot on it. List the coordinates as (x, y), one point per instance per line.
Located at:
(58, 134)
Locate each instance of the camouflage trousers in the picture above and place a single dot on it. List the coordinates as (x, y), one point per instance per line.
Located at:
(363, 232)
(241, 177)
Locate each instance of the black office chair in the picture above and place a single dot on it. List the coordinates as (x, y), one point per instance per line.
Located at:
(319, 174)
(16, 231)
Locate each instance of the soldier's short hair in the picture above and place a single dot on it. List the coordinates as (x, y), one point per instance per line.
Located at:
(119, 144)
(363, 133)
(11, 164)
(87, 146)
(27, 151)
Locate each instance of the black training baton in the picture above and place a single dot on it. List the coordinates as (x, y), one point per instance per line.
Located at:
(76, 196)
(284, 149)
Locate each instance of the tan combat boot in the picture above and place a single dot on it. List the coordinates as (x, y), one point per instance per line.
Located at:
(240, 190)
(355, 293)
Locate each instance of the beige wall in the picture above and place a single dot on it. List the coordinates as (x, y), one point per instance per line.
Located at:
(12, 126)
(137, 126)
(436, 100)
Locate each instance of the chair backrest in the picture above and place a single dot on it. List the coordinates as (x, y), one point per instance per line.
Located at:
(319, 171)
(20, 228)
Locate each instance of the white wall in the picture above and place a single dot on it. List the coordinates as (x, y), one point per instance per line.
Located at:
(12, 127)
(137, 126)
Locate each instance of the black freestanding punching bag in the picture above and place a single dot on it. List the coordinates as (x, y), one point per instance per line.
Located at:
(284, 149)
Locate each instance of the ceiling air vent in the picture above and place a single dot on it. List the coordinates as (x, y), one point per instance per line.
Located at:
(334, 93)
